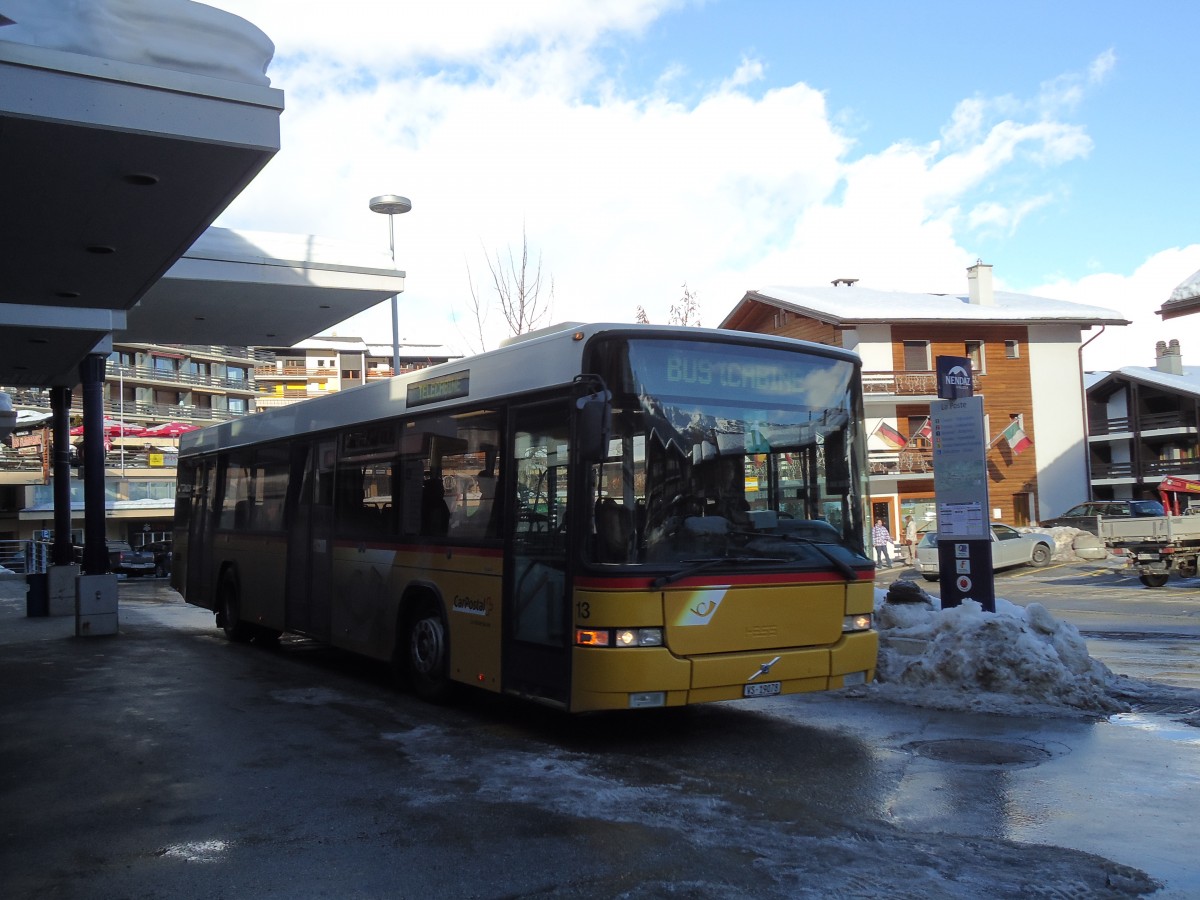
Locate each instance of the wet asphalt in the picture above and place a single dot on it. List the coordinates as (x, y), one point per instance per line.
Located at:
(166, 762)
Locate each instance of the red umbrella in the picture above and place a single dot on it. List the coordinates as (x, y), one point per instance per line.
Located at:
(169, 429)
(113, 428)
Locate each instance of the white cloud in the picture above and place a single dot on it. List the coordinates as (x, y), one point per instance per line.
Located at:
(495, 123)
(1136, 297)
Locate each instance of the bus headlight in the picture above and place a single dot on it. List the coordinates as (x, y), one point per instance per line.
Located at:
(861, 622)
(639, 637)
(618, 637)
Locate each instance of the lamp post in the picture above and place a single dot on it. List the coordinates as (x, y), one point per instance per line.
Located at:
(392, 205)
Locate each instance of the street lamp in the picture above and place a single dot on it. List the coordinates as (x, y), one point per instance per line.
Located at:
(392, 205)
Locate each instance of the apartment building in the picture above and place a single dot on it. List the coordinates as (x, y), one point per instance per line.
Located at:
(1143, 425)
(1024, 353)
(329, 363)
(152, 394)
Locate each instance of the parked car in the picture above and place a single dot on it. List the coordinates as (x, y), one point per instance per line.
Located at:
(1086, 516)
(124, 560)
(1010, 547)
(162, 557)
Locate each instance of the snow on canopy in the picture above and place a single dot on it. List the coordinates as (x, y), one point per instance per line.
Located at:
(168, 34)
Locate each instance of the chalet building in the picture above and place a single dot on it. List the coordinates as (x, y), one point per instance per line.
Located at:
(1143, 425)
(1025, 361)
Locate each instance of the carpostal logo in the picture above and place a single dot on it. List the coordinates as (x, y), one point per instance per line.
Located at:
(473, 606)
(957, 377)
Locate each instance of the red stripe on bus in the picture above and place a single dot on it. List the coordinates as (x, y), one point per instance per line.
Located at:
(456, 549)
(706, 580)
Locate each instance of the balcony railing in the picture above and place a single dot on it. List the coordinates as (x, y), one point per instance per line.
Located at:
(222, 351)
(1143, 422)
(903, 462)
(1151, 470)
(114, 373)
(905, 384)
(130, 410)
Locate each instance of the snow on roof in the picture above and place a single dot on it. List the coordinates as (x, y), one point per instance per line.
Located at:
(167, 34)
(859, 305)
(1188, 290)
(1187, 383)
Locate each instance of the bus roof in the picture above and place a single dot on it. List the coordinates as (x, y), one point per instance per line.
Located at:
(521, 365)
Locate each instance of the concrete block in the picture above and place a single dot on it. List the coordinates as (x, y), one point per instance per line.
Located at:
(61, 589)
(95, 605)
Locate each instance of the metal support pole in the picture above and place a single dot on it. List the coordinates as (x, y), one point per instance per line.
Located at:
(95, 549)
(60, 424)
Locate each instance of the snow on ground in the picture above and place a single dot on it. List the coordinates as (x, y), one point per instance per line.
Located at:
(1015, 661)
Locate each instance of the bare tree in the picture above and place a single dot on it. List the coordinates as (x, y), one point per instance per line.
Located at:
(641, 318)
(518, 290)
(687, 310)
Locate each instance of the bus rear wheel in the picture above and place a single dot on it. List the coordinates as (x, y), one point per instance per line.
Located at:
(1154, 579)
(230, 616)
(427, 653)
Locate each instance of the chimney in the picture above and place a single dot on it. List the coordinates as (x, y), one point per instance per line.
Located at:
(979, 284)
(1167, 357)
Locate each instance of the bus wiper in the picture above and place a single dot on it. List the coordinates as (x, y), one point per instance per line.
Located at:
(662, 580)
(840, 564)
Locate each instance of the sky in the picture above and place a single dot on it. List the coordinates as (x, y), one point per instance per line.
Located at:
(636, 147)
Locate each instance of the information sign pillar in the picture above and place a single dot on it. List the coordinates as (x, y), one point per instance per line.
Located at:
(961, 489)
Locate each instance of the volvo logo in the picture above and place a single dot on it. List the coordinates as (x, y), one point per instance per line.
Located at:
(764, 669)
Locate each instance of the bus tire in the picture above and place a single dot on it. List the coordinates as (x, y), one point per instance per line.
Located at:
(426, 649)
(1154, 579)
(229, 617)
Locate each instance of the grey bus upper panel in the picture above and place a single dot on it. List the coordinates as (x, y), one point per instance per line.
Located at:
(527, 364)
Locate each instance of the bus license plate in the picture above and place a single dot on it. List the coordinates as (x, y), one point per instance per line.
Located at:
(766, 689)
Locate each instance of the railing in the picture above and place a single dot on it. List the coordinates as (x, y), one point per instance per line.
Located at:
(114, 372)
(1143, 422)
(906, 384)
(903, 462)
(291, 372)
(130, 410)
(212, 350)
(1150, 471)
(1112, 470)
(17, 556)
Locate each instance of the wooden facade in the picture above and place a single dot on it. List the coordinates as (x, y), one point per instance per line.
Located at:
(1004, 383)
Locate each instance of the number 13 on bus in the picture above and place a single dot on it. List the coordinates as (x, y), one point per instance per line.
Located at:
(602, 517)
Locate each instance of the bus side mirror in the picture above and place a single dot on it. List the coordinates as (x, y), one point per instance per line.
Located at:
(592, 415)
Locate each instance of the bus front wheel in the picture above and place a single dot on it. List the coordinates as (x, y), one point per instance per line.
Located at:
(428, 653)
(230, 618)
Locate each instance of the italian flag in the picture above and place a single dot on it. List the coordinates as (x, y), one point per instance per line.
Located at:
(1016, 438)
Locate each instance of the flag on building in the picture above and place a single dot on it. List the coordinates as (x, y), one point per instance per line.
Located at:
(889, 435)
(1016, 438)
(924, 432)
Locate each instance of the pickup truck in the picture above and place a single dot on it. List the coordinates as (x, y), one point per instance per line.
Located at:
(1155, 546)
(123, 559)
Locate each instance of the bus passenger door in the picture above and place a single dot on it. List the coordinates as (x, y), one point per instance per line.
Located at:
(310, 535)
(537, 619)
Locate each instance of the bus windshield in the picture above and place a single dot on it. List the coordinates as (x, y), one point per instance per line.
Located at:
(723, 451)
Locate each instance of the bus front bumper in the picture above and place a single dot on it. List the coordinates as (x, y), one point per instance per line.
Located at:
(608, 679)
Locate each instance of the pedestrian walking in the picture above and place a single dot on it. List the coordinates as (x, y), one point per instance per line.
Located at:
(910, 539)
(881, 538)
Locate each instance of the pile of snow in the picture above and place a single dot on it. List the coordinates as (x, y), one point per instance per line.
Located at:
(1015, 660)
(1073, 543)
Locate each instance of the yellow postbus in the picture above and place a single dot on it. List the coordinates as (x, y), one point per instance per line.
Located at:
(600, 517)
